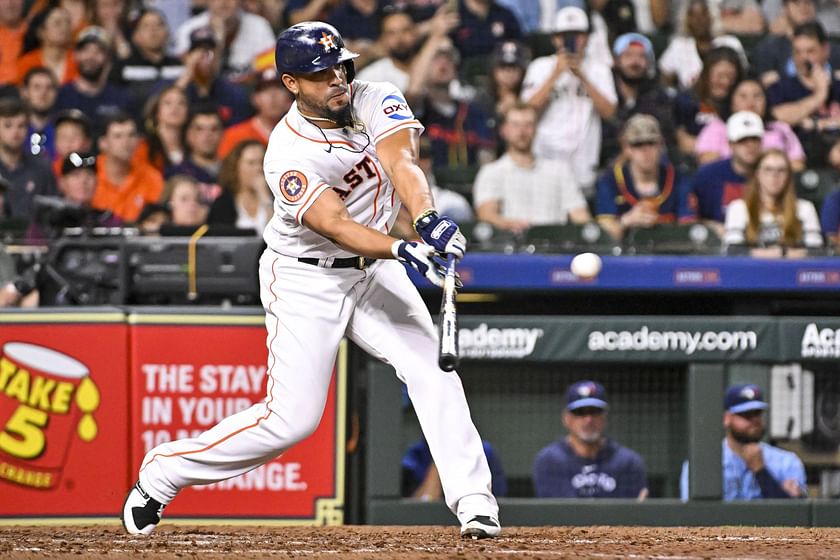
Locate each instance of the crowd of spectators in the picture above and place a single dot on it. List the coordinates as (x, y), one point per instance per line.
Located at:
(629, 113)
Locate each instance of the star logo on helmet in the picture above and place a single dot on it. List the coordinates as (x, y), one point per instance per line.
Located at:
(328, 41)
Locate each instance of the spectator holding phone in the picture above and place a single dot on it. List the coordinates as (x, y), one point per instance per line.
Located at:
(810, 100)
(573, 93)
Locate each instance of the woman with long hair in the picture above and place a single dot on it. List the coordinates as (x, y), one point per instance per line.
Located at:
(770, 219)
(699, 31)
(708, 98)
(749, 95)
(246, 201)
(164, 118)
(48, 42)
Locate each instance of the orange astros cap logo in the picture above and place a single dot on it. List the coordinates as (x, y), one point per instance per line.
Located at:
(328, 41)
(47, 399)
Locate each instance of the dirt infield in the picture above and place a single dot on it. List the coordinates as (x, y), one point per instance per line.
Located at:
(379, 543)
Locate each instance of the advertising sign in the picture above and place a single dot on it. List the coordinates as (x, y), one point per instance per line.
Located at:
(191, 371)
(63, 415)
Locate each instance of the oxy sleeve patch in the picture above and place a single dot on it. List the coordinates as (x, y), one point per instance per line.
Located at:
(293, 185)
(396, 108)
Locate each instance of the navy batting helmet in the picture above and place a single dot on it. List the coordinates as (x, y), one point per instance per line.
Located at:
(312, 46)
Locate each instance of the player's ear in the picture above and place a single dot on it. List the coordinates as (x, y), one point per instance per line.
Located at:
(291, 83)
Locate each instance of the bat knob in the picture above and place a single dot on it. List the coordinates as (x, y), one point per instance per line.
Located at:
(448, 362)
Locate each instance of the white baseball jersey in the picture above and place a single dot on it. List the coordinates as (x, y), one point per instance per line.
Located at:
(302, 161)
(310, 308)
(570, 127)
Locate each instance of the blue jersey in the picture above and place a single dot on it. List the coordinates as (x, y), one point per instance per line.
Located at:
(616, 194)
(789, 89)
(739, 482)
(617, 472)
(715, 185)
(830, 214)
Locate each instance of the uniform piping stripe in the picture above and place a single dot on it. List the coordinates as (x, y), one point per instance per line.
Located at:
(304, 206)
(316, 140)
(376, 196)
(270, 389)
(393, 128)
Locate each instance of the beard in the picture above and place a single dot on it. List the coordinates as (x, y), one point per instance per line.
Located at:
(403, 54)
(744, 437)
(632, 80)
(343, 116)
(92, 73)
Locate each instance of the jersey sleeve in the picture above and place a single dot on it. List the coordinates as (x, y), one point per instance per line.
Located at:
(295, 187)
(811, 236)
(384, 111)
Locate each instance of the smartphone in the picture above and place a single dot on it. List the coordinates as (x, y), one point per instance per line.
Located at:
(809, 66)
(453, 5)
(570, 42)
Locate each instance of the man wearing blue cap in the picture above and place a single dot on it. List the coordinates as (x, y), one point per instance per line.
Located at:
(752, 469)
(634, 73)
(586, 464)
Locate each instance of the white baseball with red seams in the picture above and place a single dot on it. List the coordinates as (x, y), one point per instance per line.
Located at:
(309, 309)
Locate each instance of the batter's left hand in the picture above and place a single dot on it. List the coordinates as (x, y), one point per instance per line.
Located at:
(442, 233)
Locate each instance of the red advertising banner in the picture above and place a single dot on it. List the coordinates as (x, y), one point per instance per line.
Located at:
(63, 413)
(191, 371)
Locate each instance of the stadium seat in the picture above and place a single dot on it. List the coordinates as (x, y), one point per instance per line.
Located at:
(482, 236)
(682, 239)
(457, 178)
(568, 238)
(815, 184)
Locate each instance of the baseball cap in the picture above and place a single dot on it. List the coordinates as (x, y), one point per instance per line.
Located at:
(642, 128)
(78, 160)
(571, 18)
(93, 34)
(266, 78)
(510, 53)
(744, 124)
(622, 42)
(743, 398)
(203, 37)
(586, 393)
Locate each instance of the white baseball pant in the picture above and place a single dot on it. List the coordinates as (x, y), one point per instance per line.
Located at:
(308, 311)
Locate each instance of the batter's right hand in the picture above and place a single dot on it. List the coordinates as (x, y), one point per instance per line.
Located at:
(420, 257)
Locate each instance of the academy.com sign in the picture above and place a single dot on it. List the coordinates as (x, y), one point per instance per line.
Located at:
(820, 343)
(491, 342)
(688, 342)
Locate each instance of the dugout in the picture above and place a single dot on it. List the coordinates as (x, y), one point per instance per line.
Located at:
(665, 376)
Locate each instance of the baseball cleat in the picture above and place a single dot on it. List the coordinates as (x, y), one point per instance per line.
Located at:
(480, 527)
(140, 513)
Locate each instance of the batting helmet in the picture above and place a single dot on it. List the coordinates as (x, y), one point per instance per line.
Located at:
(312, 46)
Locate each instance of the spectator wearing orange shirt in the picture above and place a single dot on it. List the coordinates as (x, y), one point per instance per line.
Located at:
(49, 42)
(12, 29)
(124, 185)
(271, 100)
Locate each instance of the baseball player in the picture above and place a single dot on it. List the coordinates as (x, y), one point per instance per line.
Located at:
(340, 165)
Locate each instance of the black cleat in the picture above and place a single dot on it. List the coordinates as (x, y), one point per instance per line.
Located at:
(140, 513)
(480, 527)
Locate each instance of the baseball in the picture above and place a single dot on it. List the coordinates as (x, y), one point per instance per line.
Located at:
(586, 265)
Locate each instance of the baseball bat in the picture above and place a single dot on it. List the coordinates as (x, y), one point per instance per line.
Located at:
(448, 328)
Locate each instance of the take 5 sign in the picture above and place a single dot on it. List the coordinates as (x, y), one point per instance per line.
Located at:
(63, 413)
(84, 396)
(191, 371)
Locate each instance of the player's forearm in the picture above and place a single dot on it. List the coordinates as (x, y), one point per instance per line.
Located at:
(360, 240)
(412, 188)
